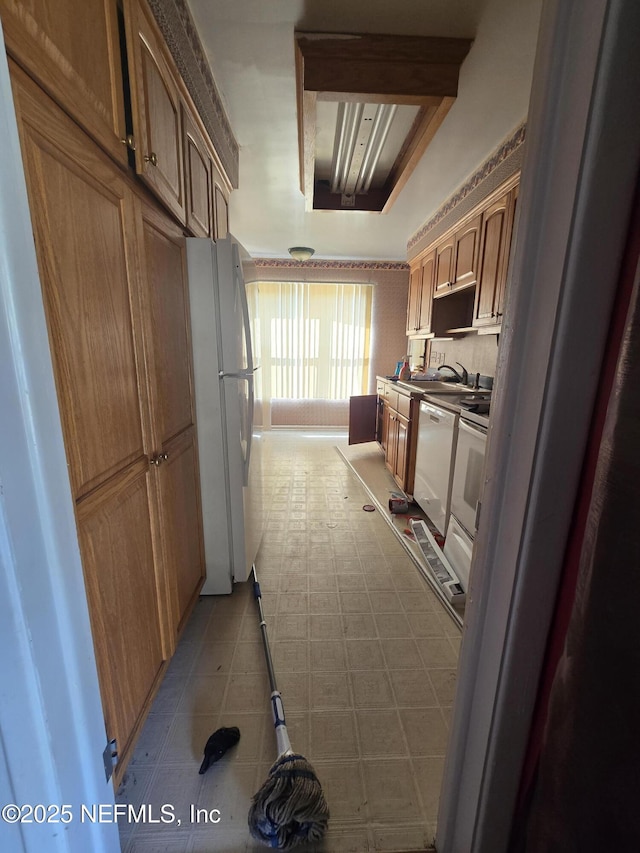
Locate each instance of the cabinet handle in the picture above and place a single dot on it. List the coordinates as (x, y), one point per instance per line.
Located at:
(152, 158)
(498, 313)
(158, 459)
(163, 456)
(129, 141)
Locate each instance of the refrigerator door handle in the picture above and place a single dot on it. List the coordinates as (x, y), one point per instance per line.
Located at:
(250, 410)
(241, 374)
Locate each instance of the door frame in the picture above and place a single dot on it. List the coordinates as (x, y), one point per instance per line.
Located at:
(578, 181)
(51, 724)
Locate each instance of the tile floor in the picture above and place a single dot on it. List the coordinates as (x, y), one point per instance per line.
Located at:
(366, 660)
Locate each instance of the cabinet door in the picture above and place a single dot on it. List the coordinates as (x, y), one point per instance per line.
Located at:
(155, 105)
(467, 241)
(73, 50)
(198, 179)
(444, 267)
(497, 221)
(173, 412)
(402, 448)
(84, 223)
(391, 447)
(427, 274)
(413, 304)
(363, 411)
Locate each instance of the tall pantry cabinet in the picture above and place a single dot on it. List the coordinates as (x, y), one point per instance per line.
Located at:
(113, 274)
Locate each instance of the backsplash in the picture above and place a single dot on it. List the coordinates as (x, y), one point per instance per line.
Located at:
(478, 353)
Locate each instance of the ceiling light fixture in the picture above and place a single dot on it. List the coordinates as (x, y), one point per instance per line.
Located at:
(361, 132)
(301, 253)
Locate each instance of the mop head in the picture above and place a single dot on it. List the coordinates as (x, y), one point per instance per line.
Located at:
(290, 808)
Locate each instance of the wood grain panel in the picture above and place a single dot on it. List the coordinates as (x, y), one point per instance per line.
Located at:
(83, 223)
(495, 242)
(156, 112)
(72, 49)
(198, 178)
(444, 267)
(426, 295)
(120, 578)
(467, 241)
(164, 260)
(181, 520)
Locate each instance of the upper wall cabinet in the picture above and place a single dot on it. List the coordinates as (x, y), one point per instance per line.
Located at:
(497, 224)
(198, 170)
(156, 109)
(72, 50)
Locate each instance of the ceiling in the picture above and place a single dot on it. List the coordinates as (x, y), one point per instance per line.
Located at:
(250, 45)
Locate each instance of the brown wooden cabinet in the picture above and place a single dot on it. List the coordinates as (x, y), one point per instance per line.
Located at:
(495, 243)
(466, 251)
(114, 289)
(198, 176)
(443, 276)
(73, 50)
(421, 296)
(156, 109)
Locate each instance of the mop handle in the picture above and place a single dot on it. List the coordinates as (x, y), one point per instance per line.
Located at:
(277, 708)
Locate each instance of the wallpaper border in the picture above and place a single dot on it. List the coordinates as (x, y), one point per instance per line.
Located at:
(180, 33)
(283, 263)
(509, 152)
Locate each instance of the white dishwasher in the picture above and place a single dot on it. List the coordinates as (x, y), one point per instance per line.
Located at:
(435, 454)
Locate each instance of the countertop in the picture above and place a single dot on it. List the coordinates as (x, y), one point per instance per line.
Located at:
(445, 394)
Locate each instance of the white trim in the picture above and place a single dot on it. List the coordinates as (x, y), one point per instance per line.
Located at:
(51, 723)
(578, 181)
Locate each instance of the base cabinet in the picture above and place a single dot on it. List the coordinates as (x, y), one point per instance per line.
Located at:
(390, 418)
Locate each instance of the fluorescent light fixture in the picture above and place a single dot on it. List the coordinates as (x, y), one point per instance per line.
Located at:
(301, 253)
(361, 132)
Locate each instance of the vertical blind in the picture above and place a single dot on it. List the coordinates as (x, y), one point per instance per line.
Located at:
(311, 340)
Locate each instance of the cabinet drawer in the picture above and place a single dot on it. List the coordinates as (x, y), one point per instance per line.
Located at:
(403, 405)
(392, 398)
(381, 389)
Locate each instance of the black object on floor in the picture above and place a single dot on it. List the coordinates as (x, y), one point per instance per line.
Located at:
(219, 742)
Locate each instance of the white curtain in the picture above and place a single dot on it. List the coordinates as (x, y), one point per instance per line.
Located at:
(311, 340)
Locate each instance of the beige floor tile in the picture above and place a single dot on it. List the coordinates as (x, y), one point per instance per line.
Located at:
(250, 629)
(359, 626)
(343, 789)
(376, 581)
(246, 693)
(408, 838)
(412, 689)
(187, 738)
(169, 694)
(333, 735)
(294, 687)
(323, 583)
(290, 655)
(372, 689)
(392, 625)
(428, 773)
(213, 659)
(355, 602)
(375, 563)
(223, 627)
(324, 602)
(327, 656)
(353, 582)
(437, 652)
(364, 654)
(345, 566)
(380, 733)
(425, 730)
(134, 786)
(325, 626)
(229, 789)
(444, 683)
(293, 626)
(294, 583)
(203, 695)
(425, 625)
(152, 740)
(182, 661)
(341, 840)
(293, 603)
(391, 790)
(401, 654)
(169, 841)
(385, 601)
(330, 690)
(248, 657)
(414, 601)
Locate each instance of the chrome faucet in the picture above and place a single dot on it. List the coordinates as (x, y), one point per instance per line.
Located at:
(465, 375)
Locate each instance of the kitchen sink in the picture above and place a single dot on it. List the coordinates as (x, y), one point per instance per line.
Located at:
(446, 388)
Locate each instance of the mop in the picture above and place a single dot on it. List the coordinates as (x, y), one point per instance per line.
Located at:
(290, 808)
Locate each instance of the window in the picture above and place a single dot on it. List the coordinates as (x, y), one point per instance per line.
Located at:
(311, 340)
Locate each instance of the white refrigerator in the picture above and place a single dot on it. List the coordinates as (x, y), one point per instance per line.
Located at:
(228, 440)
